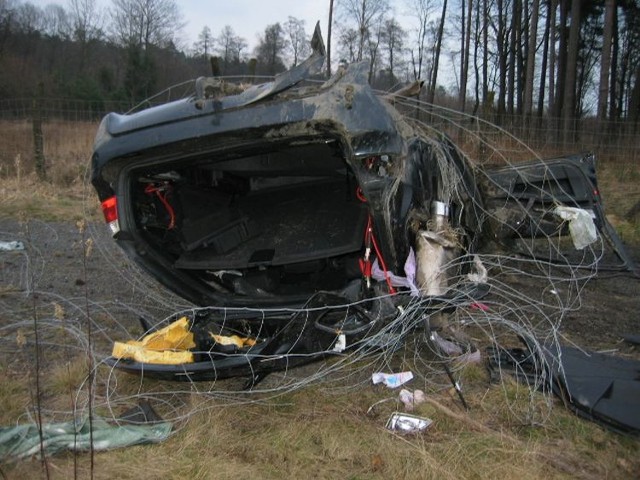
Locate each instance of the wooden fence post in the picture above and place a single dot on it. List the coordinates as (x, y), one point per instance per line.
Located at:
(38, 137)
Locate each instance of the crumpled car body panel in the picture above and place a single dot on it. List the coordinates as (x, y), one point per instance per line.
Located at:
(334, 134)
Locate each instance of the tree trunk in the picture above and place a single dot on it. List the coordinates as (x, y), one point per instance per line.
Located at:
(522, 40)
(464, 66)
(485, 52)
(605, 60)
(569, 103)
(511, 93)
(502, 58)
(543, 67)
(553, 6)
(634, 101)
(463, 52)
(562, 60)
(531, 56)
(436, 57)
(476, 58)
(613, 85)
(329, 38)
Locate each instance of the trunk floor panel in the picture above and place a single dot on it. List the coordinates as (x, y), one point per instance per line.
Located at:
(298, 224)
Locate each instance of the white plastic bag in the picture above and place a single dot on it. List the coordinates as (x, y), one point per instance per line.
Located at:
(581, 226)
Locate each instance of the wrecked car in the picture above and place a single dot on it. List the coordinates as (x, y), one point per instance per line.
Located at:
(295, 194)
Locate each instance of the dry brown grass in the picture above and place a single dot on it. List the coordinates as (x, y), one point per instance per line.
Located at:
(317, 434)
(67, 194)
(26, 197)
(67, 149)
(619, 181)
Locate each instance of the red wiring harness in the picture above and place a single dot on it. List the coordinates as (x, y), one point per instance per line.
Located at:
(160, 191)
(369, 240)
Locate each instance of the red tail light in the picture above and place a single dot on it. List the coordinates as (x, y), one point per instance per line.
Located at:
(110, 211)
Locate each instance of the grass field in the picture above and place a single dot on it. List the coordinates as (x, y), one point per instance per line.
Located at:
(330, 429)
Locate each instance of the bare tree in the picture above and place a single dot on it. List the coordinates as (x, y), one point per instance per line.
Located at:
(138, 25)
(270, 49)
(143, 23)
(28, 18)
(230, 46)
(374, 38)
(204, 45)
(431, 93)
(239, 44)
(57, 22)
(298, 44)
(86, 23)
(393, 40)
(421, 10)
(86, 20)
(348, 45)
(225, 43)
(364, 14)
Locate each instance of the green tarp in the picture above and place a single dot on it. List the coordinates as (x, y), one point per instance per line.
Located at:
(23, 441)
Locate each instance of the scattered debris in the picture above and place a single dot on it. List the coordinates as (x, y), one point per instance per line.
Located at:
(392, 380)
(168, 346)
(411, 399)
(14, 245)
(480, 275)
(407, 424)
(445, 346)
(341, 344)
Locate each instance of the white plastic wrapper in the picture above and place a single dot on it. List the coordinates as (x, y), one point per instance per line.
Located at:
(583, 230)
(391, 380)
(11, 246)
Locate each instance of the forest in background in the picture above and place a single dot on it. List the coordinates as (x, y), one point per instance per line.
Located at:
(498, 59)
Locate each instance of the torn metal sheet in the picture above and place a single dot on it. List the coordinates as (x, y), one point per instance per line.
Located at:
(599, 387)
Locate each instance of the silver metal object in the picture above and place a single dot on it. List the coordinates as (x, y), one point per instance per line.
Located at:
(404, 423)
(440, 208)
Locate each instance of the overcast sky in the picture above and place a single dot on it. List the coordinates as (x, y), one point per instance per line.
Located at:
(248, 18)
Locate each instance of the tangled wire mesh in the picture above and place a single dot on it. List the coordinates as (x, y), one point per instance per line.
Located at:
(530, 294)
